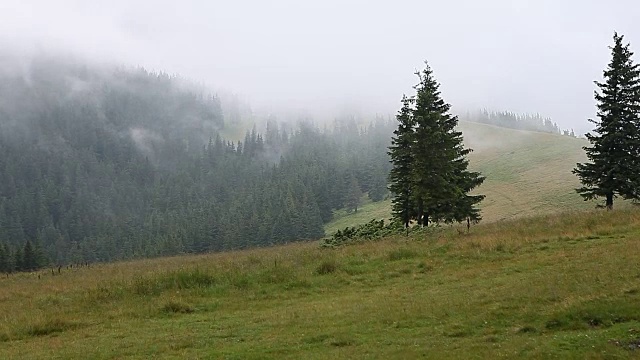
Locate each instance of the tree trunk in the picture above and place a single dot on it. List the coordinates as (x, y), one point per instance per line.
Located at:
(420, 213)
(609, 201)
(425, 221)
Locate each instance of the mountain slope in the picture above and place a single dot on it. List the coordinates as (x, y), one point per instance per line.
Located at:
(563, 286)
(102, 163)
(527, 173)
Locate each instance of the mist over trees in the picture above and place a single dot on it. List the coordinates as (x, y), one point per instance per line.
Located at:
(512, 120)
(614, 155)
(102, 163)
(429, 179)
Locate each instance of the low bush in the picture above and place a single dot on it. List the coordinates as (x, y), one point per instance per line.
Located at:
(373, 230)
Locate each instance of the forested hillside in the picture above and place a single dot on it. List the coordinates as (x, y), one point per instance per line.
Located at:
(99, 163)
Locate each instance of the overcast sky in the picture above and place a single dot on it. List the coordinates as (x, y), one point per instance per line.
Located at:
(525, 56)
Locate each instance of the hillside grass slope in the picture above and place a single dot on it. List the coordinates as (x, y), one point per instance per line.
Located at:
(555, 286)
(527, 173)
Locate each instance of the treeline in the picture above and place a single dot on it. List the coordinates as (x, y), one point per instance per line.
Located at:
(27, 258)
(516, 121)
(108, 164)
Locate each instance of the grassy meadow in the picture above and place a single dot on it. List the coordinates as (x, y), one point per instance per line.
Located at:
(554, 286)
(527, 173)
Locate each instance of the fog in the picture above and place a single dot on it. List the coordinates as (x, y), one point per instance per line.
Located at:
(328, 56)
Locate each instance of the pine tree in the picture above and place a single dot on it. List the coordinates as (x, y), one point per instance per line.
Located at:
(4, 259)
(401, 156)
(18, 260)
(378, 184)
(614, 155)
(431, 186)
(29, 257)
(441, 179)
(430, 179)
(354, 194)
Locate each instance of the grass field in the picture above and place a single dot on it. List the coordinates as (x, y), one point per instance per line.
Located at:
(527, 173)
(555, 286)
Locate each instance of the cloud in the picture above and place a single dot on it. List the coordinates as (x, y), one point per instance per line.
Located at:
(524, 56)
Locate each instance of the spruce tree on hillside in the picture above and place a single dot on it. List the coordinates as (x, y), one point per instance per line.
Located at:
(18, 260)
(401, 155)
(378, 185)
(29, 257)
(433, 170)
(4, 259)
(614, 155)
(354, 194)
(431, 163)
(442, 181)
(8, 265)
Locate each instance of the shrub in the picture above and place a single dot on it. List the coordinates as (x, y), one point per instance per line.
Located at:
(373, 230)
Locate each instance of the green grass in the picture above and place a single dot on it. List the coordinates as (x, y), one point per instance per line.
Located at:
(527, 173)
(556, 286)
(367, 211)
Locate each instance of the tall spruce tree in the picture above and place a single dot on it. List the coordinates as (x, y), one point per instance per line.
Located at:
(614, 155)
(4, 259)
(29, 257)
(353, 193)
(441, 178)
(430, 179)
(401, 154)
(431, 154)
